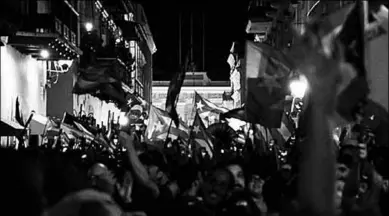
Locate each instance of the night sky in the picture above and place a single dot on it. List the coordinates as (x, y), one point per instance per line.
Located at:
(224, 23)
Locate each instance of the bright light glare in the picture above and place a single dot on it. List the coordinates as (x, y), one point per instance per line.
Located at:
(123, 119)
(299, 87)
(88, 26)
(44, 53)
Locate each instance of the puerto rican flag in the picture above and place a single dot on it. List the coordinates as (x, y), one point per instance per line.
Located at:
(205, 108)
(159, 123)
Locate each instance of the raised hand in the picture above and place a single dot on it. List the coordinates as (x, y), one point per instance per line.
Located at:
(126, 139)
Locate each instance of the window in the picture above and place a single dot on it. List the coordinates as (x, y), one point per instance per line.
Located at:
(128, 17)
(43, 7)
(58, 26)
(66, 32)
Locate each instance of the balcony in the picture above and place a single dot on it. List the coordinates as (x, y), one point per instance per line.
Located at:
(47, 25)
(260, 19)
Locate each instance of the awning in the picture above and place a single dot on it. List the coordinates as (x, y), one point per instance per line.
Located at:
(10, 128)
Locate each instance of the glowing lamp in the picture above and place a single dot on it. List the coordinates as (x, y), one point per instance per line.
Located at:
(298, 87)
(44, 54)
(88, 26)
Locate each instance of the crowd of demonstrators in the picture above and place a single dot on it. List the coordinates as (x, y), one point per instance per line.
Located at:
(321, 176)
(146, 181)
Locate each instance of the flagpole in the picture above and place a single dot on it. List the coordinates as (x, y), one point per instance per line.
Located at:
(171, 122)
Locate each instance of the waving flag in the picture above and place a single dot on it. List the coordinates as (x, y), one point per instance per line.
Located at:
(18, 113)
(282, 134)
(377, 58)
(91, 78)
(199, 135)
(352, 37)
(174, 92)
(132, 100)
(69, 128)
(238, 113)
(204, 107)
(159, 123)
(267, 72)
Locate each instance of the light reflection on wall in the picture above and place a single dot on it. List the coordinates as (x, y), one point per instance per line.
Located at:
(96, 106)
(24, 77)
(185, 102)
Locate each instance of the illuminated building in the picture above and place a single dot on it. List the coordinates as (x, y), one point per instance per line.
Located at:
(194, 81)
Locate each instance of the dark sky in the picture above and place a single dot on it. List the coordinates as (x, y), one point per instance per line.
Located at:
(224, 22)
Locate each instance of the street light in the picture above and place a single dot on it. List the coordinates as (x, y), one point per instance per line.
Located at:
(123, 119)
(88, 26)
(44, 54)
(299, 86)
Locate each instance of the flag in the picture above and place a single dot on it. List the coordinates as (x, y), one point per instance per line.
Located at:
(158, 125)
(91, 78)
(18, 113)
(69, 128)
(85, 132)
(199, 135)
(38, 124)
(377, 59)
(204, 107)
(267, 72)
(52, 128)
(282, 134)
(238, 113)
(133, 100)
(352, 37)
(231, 58)
(173, 93)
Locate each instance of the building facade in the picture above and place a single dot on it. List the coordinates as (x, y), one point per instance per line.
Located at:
(194, 82)
(44, 47)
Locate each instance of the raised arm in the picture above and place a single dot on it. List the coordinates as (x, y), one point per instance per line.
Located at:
(139, 171)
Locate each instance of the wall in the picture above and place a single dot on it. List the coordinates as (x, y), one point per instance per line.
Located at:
(23, 77)
(60, 96)
(185, 102)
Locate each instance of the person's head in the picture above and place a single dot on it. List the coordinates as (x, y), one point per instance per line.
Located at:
(216, 186)
(255, 185)
(238, 174)
(155, 166)
(21, 184)
(286, 171)
(359, 137)
(102, 178)
(143, 128)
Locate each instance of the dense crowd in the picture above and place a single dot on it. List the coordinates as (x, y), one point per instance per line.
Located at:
(143, 180)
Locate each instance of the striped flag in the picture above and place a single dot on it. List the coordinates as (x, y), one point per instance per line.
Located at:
(89, 80)
(199, 135)
(204, 107)
(352, 37)
(132, 100)
(267, 72)
(174, 92)
(69, 128)
(238, 113)
(377, 59)
(282, 134)
(159, 123)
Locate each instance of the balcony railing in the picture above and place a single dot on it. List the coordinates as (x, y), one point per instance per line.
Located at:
(51, 25)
